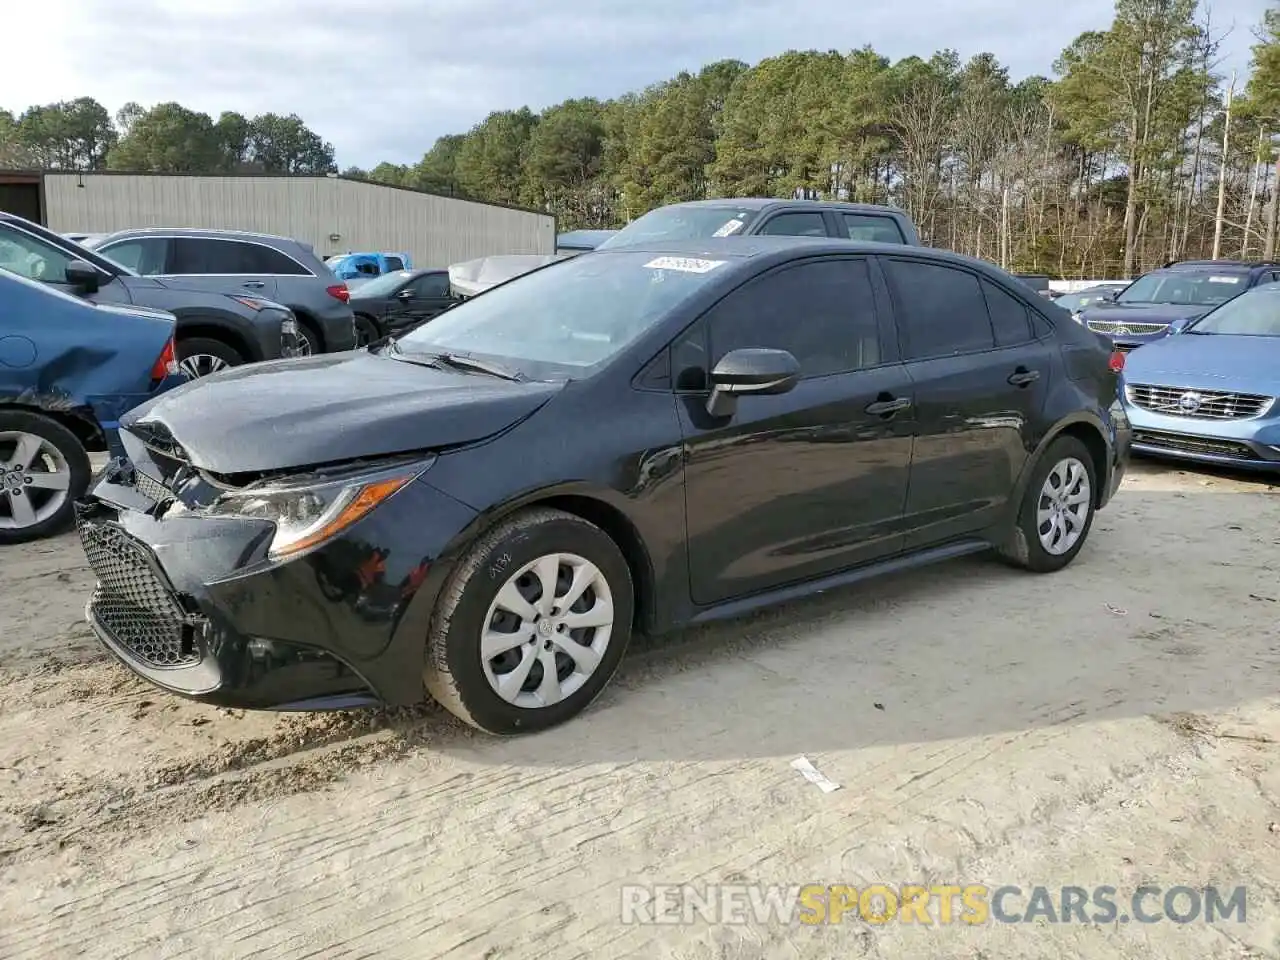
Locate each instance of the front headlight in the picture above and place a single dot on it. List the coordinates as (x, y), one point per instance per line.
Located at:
(310, 510)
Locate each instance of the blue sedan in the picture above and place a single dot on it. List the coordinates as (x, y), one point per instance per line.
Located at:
(68, 370)
(1209, 393)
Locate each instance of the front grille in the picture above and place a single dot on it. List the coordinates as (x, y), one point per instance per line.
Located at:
(1116, 328)
(132, 603)
(151, 488)
(1185, 443)
(1197, 404)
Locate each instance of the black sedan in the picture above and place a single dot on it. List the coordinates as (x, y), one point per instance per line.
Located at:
(633, 440)
(395, 303)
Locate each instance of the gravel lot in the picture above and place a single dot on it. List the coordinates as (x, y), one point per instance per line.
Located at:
(1117, 723)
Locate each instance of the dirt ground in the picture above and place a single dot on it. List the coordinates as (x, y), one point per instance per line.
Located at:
(1117, 723)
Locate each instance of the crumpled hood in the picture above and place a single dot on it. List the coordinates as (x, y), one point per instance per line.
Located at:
(287, 414)
(1145, 312)
(1208, 362)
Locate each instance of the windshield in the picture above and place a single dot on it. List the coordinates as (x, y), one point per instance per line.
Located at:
(563, 319)
(681, 223)
(1199, 287)
(1256, 314)
(386, 284)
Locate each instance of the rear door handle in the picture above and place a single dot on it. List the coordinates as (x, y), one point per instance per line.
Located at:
(1023, 377)
(887, 408)
(256, 284)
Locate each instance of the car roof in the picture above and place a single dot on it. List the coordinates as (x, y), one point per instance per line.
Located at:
(1224, 265)
(761, 203)
(214, 234)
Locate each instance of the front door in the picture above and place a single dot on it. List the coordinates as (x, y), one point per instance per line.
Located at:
(420, 299)
(810, 482)
(980, 379)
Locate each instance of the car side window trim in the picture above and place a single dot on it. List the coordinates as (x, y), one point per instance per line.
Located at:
(256, 243)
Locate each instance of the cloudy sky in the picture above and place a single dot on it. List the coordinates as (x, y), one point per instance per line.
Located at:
(381, 79)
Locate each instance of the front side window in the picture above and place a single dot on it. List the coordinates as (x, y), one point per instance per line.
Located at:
(795, 225)
(570, 316)
(142, 255)
(941, 311)
(822, 312)
(32, 258)
(431, 286)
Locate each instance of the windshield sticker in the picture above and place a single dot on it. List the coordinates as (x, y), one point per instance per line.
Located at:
(730, 228)
(1224, 279)
(684, 264)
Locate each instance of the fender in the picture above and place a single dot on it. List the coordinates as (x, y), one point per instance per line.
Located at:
(228, 324)
(1086, 417)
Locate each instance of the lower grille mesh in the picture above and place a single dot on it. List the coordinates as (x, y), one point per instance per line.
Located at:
(132, 603)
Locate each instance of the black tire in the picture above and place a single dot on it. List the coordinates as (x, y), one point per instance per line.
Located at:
(191, 348)
(366, 330)
(69, 448)
(454, 672)
(1023, 547)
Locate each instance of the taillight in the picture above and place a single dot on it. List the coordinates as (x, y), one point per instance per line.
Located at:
(339, 291)
(166, 364)
(1116, 363)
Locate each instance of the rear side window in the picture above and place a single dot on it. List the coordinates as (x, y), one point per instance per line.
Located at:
(142, 255)
(795, 225)
(822, 312)
(1009, 317)
(264, 259)
(394, 263)
(212, 257)
(861, 226)
(941, 311)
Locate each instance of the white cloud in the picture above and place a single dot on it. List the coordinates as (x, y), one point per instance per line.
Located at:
(382, 79)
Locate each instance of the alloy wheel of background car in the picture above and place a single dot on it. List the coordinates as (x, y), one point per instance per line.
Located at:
(200, 357)
(546, 630)
(366, 332)
(496, 656)
(1065, 501)
(43, 469)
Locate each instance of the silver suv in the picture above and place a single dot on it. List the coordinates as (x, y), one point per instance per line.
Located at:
(250, 264)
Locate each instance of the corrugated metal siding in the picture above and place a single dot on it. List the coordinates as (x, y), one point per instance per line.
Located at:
(435, 231)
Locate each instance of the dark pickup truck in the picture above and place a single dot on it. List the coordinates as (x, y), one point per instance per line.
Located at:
(703, 219)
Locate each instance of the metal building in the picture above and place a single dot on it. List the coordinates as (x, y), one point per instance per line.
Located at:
(333, 214)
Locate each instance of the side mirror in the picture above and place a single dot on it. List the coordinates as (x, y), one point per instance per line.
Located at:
(83, 276)
(753, 370)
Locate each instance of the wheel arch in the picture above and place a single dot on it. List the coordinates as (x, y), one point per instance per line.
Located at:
(597, 507)
(79, 420)
(211, 327)
(308, 320)
(1089, 430)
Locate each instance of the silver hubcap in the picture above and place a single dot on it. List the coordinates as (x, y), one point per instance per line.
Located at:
(1065, 501)
(35, 480)
(547, 630)
(201, 365)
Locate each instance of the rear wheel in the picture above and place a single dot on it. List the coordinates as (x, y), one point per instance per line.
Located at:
(308, 341)
(202, 356)
(531, 625)
(1057, 509)
(44, 468)
(366, 330)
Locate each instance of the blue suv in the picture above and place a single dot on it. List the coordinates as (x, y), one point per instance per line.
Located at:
(1165, 300)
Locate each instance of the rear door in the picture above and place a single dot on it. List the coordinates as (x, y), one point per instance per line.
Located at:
(810, 482)
(223, 265)
(793, 223)
(868, 226)
(980, 378)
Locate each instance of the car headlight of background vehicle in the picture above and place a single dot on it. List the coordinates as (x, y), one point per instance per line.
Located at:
(307, 511)
(1078, 317)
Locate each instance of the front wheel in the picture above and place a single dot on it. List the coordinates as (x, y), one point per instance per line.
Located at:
(531, 625)
(1056, 513)
(44, 469)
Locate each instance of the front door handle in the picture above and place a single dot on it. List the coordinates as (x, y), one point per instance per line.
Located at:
(256, 284)
(888, 407)
(1023, 377)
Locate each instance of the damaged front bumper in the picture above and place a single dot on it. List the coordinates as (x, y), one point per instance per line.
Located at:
(194, 605)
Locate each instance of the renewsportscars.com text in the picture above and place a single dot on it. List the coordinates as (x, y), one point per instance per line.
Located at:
(970, 904)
